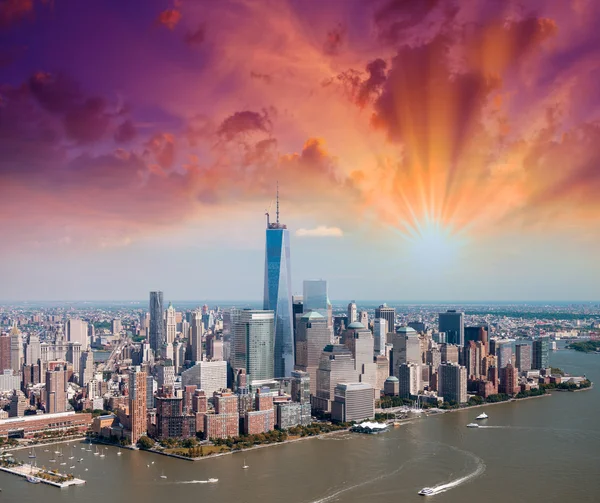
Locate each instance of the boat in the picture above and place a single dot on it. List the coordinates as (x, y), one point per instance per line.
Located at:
(81, 460)
(426, 491)
(56, 452)
(71, 467)
(472, 425)
(96, 453)
(369, 427)
(163, 476)
(32, 452)
(212, 481)
(245, 466)
(483, 415)
(60, 453)
(52, 460)
(102, 454)
(32, 479)
(63, 464)
(119, 453)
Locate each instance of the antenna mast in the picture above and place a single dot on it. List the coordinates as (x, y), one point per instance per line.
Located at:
(278, 202)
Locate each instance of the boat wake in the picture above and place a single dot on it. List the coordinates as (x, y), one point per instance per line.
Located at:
(454, 483)
(196, 482)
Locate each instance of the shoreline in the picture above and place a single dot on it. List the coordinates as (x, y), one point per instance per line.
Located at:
(29, 446)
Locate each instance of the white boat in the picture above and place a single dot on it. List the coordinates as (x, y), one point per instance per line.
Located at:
(32, 479)
(119, 453)
(472, 425)
(245, 465)
(102, 453)
(81, 460)
(63, 464)
(96, 453)
(52, 460)
(212, 481)
(483, 415)
(71, 467)
(32, 452)
(163, 476)
(426, 491)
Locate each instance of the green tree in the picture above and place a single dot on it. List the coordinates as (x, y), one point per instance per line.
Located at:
(145, 443)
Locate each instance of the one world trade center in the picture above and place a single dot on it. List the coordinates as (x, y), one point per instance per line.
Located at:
(278, 293)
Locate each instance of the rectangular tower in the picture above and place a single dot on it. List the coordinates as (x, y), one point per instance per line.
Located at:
(452, 323)
(157, 325)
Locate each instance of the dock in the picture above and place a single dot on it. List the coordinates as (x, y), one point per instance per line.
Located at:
(26, 470)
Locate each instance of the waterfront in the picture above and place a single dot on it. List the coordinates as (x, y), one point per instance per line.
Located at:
(530, 450)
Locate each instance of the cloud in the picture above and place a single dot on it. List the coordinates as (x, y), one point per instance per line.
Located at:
(169, 18)
(321, 231)
(334, 40)
(13, 11)
(125, 132)
(242, 123)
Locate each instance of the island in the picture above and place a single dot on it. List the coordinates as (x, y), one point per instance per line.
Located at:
(585, 346)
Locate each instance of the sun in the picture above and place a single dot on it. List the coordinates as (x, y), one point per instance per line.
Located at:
(433, 243)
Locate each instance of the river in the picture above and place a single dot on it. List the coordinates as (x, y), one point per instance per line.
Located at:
(545, 449)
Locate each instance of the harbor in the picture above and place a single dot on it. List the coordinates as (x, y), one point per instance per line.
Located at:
(38, 475)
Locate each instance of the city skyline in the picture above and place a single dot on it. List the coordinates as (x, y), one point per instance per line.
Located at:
(475, 180)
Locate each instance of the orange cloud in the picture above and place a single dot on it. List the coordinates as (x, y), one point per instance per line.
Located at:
(169, 18)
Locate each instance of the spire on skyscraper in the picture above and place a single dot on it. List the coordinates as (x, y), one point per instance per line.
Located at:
(277, 202)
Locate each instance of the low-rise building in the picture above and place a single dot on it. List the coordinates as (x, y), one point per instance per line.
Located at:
(28, 426)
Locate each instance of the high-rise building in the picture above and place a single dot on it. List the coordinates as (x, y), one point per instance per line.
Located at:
(197, 329)
(315, 297)
(409, 380)
(86, 367)
(33, 352)
(477, 333)
(77, 331)
(380, 331)
(541, 353)
(16, 349)
(452, 323)
(336, 366)
(301, 389)
(363, 317)
(116, 327)
(278, 293)
(504, 352)
(312, 335)
(509, 380)
(253, 345)
(353, 402)
(452, 382)
(388, 314)
(352, 313)
(18, 404)
(165, 374)
(170, 323)
(523, 357)
(73, 355)
(407, 348)
(157, 325)
(449, 353)
(5, 353)
(151, 387)
(137, 403)
(56, 390)
(207, 376)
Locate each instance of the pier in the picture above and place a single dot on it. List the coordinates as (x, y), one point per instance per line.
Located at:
(27, 470)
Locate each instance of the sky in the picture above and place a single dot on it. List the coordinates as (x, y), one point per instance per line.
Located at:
(424, 149)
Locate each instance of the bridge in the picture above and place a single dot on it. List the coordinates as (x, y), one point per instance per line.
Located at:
(115, 355)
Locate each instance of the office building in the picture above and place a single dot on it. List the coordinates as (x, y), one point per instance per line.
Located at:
(541, 353)
(56, 390)
(16, 349)
(170, 324)
(409, 380)
(278, 293)
(254, 344)
(352, 313)
(449, 353)
(406, 348)
(197, 330)
(477, 333)
(315, 298)
(9, 380)
(73, 355)
(116, 327)
(380, 331)
(86, 367)
(77, 331)
(33, 351)
(363, 318)
(419, 326)
(28, 426)
(151, 387)
(165, 374)
(452, 382)
(523, 357)
(353, 402)
(452, 323)
(290, 414)
(137, 403)
(504, 352)
(312, 335)
(391, 386)
(336, 365)
(157, 325)
(209, 376)
(5, 355)
(301, 389)
(388, 314)
(18, 404)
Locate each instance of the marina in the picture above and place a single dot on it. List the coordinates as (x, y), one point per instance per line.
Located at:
(36, 475)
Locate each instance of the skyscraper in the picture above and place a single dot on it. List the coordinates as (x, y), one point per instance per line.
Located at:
(352, 313)
(33, 352)
(253, 346)
(170, 323)
(452, 382)
(409, 377)
(16, 349)
(5, 353)
(380, 331)
(523, 357)
(278, 293)
(157, 326)
(137, 403)
(56, 387)
(196, 338)
(388, 314)
(541, 353)
(312, 337)
(86, 367)
(77, 331)
(452, 323)
(336, 366)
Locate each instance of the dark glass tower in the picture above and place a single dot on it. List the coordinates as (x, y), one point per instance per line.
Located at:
(278, 293)
(157, 326)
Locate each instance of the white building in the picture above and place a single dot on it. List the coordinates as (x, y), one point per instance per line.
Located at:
(379, 335)
(409, 377)
(9, 381)
(171, 323)
(353, 402)
(207, 376)
(77, 331)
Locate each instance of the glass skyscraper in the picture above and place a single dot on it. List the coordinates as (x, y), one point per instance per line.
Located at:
(278, 294)
(157, 325)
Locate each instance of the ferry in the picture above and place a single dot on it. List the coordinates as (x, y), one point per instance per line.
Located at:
(426, 491)
(483, 415)
(212, 481)
(472, 425)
